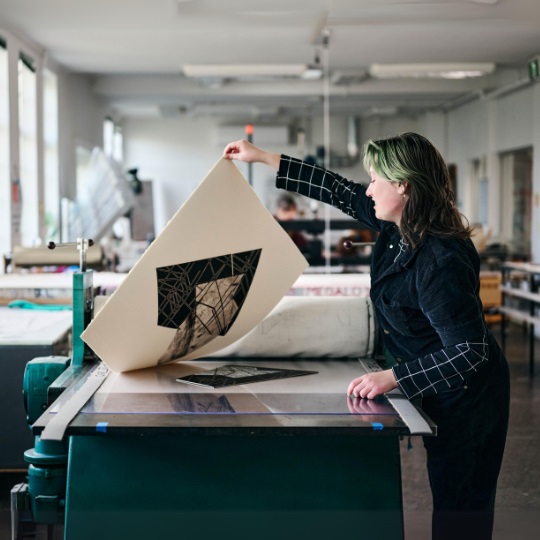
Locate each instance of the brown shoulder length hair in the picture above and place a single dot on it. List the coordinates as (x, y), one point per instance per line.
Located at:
(430, 206)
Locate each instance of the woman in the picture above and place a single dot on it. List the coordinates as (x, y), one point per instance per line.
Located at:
(425, 289)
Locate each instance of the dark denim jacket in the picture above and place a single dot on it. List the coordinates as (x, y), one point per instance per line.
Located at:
(427, 299)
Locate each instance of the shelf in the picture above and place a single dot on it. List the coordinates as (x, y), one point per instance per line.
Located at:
(519, 315)
(528, 273)
(522, 267)
(526, 295)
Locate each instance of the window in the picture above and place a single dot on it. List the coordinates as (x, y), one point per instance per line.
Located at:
(118, 145)
(478, 192)
(51, 166)
(72, 226)
(517, 201)
(28, 152)
(108, 136)
(113, 140)
(83, 156)
(5, 196)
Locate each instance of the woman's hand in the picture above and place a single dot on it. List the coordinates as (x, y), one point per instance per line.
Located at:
(245, 151)
(373, 384)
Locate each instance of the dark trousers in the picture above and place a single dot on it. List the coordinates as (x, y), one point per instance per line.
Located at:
(465, 458)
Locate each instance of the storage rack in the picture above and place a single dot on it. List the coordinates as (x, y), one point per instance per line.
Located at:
(527, 275)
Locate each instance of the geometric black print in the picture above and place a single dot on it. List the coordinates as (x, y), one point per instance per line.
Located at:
(203, 298)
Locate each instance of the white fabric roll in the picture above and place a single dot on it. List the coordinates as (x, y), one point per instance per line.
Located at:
(311, 327)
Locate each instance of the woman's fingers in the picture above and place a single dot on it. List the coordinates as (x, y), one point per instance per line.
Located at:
(372, 385)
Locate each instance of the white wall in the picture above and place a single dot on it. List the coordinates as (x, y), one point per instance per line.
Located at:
(177, 153)
(80, 123)
(515, 119)
(381, 127)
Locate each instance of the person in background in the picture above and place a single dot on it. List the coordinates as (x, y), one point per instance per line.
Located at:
(425, 290)
(287, 210)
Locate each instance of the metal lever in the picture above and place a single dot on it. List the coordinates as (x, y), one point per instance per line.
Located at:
(348, 244)
(82, 244)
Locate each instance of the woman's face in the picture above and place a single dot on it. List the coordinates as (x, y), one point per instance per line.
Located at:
(387, 197)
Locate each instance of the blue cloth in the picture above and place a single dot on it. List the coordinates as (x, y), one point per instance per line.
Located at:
(25, 304)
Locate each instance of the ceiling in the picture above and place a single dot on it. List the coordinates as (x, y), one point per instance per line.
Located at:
(135, 51)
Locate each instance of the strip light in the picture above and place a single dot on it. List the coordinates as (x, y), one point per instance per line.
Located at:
(431, 71)
(243, 70)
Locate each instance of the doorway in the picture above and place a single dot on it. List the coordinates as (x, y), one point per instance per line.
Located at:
(516, 201)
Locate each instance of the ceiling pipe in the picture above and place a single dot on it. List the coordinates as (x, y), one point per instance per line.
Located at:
(461, 100)
(480, 94)
(508, 89)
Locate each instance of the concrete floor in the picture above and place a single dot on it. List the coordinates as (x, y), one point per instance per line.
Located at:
(518, 497)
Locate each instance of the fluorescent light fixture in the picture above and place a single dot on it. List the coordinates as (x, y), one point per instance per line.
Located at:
(311, 73)
(243, 70)
(431, 71)
(389, 110)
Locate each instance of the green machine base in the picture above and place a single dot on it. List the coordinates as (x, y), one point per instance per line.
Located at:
(262, 486)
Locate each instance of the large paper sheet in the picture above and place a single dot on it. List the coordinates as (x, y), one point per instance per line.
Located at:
(217, 269)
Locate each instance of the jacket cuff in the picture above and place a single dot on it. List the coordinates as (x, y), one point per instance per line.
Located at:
(405, 385)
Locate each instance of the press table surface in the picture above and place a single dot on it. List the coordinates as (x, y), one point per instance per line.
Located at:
(152, 399)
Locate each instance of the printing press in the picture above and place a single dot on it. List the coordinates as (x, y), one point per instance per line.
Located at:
(143, 455)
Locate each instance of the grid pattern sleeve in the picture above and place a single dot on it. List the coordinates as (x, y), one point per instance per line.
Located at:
(328, 187)
(447, 292)
(443, 370)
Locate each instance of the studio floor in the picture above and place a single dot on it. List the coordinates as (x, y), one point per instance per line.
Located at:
(518, 496)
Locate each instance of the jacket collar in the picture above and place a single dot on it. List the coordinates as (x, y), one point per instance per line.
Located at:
(404, 262)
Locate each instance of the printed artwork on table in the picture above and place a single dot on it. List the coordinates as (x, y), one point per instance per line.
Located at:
(202, 299)
(233, 375)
